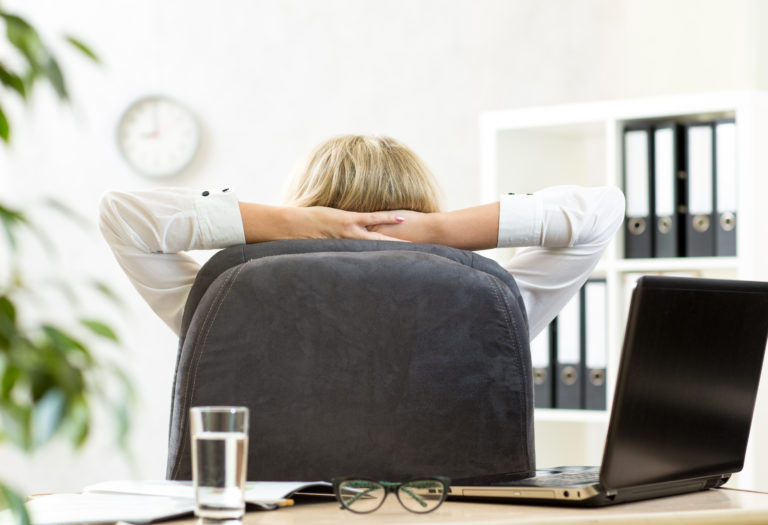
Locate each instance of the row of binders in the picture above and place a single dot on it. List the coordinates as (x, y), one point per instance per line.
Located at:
(680, 183)
(569, 357)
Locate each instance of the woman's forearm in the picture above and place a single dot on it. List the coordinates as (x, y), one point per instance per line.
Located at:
(262, 223)
(475, 228)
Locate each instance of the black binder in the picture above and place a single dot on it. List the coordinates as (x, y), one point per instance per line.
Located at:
(595, 327)
(638, 189)
(541, 360)
(669, 186)
(700, 216)
(568, 388)
(725, 187)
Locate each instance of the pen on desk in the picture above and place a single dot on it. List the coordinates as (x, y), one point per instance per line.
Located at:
(273, 504)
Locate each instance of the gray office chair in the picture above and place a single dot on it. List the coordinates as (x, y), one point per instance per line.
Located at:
(369, 358)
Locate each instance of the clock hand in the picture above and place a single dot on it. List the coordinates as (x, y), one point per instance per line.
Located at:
(155, 124)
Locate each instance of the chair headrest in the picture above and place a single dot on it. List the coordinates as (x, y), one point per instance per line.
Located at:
(235, 255)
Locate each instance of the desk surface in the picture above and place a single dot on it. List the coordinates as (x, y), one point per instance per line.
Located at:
(721, 506)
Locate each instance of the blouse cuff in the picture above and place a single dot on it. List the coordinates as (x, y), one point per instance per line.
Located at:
(520, 220)
(219, 221)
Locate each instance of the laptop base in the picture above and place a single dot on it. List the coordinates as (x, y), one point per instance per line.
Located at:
(588, 495)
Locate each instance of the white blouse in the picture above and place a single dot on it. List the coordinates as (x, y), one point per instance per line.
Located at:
(564, 229)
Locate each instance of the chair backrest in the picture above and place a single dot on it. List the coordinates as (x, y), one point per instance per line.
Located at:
(383, 359)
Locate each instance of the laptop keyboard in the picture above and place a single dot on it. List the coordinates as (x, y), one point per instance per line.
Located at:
(566, 478)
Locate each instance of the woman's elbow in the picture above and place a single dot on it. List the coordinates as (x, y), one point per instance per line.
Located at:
(108, 211)
(615, 204)
(611, 214)
(114, 217)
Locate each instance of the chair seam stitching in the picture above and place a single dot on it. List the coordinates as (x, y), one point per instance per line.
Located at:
(513, 335)
(187, 393)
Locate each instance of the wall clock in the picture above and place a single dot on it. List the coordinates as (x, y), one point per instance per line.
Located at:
(158, 136)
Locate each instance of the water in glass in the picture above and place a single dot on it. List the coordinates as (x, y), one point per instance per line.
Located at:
(219, 462)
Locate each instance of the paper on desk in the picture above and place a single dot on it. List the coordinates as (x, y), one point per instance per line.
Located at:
(143, 501)
(256, 492)
(100, 508)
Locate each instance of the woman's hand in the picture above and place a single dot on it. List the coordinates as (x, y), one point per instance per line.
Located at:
(321, 222)
(469, 229)
(416, 227)
(269, 223)
(475, 228)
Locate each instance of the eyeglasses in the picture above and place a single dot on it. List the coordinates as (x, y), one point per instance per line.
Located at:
(366, 495)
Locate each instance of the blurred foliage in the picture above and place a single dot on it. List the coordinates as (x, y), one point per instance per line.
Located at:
(50, 375)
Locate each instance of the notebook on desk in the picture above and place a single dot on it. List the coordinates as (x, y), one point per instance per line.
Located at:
(682, 410)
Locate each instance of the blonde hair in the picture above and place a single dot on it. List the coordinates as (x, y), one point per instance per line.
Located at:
(364, 174)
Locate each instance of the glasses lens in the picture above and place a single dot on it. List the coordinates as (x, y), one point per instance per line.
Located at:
(421, 495)
(360, 495)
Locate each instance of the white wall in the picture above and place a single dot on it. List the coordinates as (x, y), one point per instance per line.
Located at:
(269, 79)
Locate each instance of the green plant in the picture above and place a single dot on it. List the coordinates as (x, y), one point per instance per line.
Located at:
(50, 371)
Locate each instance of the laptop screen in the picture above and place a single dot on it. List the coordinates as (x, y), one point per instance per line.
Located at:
(687, 381)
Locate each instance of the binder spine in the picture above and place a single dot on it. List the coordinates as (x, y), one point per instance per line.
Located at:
(638, 185)
(726, 197)
(682, 192)
(595, 343)
(542, 358)
(700, 217)
(569, 367)
(667, 168)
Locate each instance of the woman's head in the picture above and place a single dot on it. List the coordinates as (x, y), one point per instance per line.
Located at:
(365, 173)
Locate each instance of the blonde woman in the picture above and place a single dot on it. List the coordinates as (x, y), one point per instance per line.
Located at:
(340, 192)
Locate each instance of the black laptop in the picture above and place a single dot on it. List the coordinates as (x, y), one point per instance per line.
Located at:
(682, 409)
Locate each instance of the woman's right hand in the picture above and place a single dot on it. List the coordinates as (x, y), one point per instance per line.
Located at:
(269, 223)
(416, 227)
(475, 228)
(322, 222)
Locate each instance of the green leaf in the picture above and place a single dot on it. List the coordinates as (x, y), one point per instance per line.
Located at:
(67, 211)
(10, 376)
(13, 215)
(53, 73)
(10, 500)
(41, 62)
(15, 20)
(13, 81)
(62, 340)
(87, 51)
(57, 353)
(123, 417)
(5, 127)
(107, 292)
(100, 328)
(78, 421)
(24, 38)
(16, 424)
(7, 309)
(11, 220)
(47, 416)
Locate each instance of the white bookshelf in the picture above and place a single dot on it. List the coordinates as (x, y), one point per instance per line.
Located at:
(523, 150)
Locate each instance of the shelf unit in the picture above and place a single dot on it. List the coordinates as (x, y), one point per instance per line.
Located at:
(523, 150)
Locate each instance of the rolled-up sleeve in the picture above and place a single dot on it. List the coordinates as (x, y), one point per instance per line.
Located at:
(565, 230)
(149, 231)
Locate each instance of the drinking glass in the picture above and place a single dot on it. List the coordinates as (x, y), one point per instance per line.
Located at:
(219, 460)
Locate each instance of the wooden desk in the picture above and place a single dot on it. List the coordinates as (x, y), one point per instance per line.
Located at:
(718, 506)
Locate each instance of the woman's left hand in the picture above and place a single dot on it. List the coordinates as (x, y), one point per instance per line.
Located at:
(332, 223)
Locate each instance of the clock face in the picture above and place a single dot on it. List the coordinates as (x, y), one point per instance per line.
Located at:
(157, 136)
